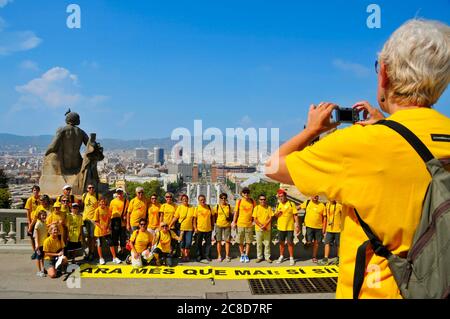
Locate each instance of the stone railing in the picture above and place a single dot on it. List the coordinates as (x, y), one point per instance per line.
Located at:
(13, 226)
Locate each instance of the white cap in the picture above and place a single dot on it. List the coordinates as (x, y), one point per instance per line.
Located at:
(67, 186)
(119, 189)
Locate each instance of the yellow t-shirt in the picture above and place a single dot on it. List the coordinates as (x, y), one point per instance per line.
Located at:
(153, 215)
(38, 209)
(203, 215)
(141, 240)
(374, 170)
(90, 204)
(185, 215)
(40, 232)
(65, 210)
(262, 214)
(137, 209)
(56, 218)
(116, 208)
(103, 217)
(222, 212)
(164, 240)
(286, 221)
(52, 245)
(245, 213)
(333, 214)
(31, 204)
(74, 226)
(314, 214)
(168, 211)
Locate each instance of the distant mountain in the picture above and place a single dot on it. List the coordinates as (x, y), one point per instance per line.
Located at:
(11, 142)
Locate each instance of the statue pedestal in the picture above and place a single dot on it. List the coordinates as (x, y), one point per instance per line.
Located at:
(52, 185)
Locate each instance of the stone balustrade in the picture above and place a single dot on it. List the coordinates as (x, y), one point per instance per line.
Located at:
(15, 221)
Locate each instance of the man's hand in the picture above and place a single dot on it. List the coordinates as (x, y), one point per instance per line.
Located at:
(371, 115)
(319, 118)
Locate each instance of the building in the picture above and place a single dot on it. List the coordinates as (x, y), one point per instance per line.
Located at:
(185, 170)
(141, 154)
(158, 156)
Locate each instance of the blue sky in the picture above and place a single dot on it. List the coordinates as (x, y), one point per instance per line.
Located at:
(139, 69)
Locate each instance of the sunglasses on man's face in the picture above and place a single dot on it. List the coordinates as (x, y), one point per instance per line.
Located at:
(165, 226)
(168, 196)
(140, 192)
(153, 198)
(142, 225)
(262, 199)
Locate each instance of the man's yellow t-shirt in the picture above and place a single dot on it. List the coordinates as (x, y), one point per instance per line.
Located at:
(141, 240)
(374, 170)
(31, 204)
(223, 212)
(153, 215)
(38, 209)
(203, 215)
(74, 225)
(116, 208)
(102, 216)
(333, 213)
(165, 240)
(168, 211)
(245, 212)
(52, 245)
(137, 209)
(90, 204)
(185, 214)
(313, 214)
(286, 221)
(262, 214)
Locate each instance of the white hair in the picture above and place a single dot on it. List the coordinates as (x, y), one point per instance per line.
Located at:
(417, 56)
(139, 189)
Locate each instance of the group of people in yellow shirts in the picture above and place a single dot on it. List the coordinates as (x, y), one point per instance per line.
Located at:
(142, 229)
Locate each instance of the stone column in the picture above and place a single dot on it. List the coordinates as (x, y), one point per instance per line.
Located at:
(208, 193)
(11, 234)
(198, 193)
(2, 234)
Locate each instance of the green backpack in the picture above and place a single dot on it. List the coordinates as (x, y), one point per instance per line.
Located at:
(425, 272)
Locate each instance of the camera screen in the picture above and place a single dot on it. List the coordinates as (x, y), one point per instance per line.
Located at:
(346, 115)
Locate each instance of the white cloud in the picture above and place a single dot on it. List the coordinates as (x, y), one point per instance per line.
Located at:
(56, 88)
(3, 3)
(17, 41)
(355, 68)
(29, 65)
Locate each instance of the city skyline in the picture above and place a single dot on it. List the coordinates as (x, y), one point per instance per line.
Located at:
(138, 70)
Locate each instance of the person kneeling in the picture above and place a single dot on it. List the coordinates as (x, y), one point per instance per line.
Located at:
(140, 244)
(163, 249)
(54, 253)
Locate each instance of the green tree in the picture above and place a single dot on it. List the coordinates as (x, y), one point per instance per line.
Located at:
(5, 198)
(268, 189)
(3, 179)
(175, 187)
(152, 187)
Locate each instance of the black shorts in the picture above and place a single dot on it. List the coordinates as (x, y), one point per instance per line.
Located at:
(40, 252)
(72, 246)
(118, 232)
(332, 238)
(286, 236)
(313, 234)
(104, 240)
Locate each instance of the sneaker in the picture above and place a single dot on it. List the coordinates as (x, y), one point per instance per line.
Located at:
(259, 260)
(219, 259)
(291, 261)
(246, 259)
(101, 261)
(199, 259)
(269, 260)
(314, 260)
(324, 262)
(42, 274)
(227, 259)
(117, 261)
(242, 259)
(208, 259)
(280, 260)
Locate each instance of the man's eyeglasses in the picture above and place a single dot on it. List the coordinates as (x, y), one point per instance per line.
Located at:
(262, 199)
(90, 187)
(153, 198)
(168, 196)
(142, 224)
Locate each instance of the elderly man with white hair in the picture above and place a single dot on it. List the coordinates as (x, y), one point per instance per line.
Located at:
(371, 169)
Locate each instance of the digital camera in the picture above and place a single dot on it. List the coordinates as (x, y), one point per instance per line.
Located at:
(345, 115)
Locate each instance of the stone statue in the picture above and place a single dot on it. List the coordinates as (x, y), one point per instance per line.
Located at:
(63, 154)
(63, 163)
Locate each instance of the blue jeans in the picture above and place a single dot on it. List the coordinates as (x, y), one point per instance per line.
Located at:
(187, 239)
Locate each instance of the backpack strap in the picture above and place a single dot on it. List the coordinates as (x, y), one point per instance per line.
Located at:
(360, 264)
(411, 138)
